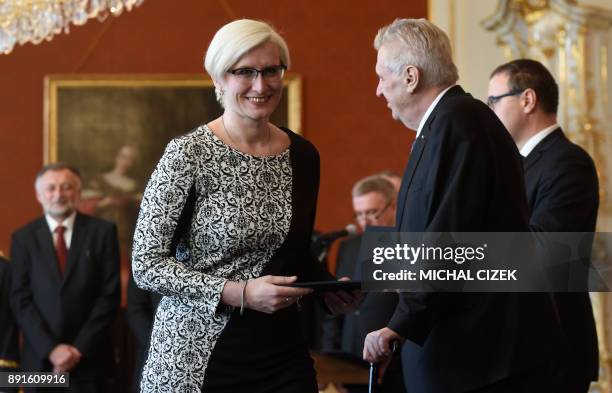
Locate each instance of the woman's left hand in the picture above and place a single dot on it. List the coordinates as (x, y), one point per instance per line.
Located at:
(270, 293)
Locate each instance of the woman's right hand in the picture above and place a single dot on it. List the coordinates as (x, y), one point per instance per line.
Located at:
(269, 294)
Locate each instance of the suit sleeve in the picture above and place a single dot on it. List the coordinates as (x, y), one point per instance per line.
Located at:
(567, 200)
(27, 314)
(104, 310)
(567, 197)
(458, 177)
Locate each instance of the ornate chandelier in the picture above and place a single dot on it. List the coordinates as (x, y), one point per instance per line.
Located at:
(32, 21)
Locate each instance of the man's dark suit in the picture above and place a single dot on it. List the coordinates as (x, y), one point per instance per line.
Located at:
(76, 308)
(563, 195)
(9, 342)
(464, 174)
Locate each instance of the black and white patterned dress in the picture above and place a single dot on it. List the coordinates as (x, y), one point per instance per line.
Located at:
(253, 216)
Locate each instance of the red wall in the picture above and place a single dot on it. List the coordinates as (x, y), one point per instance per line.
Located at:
(331, 47)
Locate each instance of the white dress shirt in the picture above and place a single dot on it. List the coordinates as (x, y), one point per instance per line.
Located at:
(431, 108)
(68, 223)
(537, 138)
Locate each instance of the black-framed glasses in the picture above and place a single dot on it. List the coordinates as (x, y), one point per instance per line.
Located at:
(372, 214)
(249, 74)
(492, 100)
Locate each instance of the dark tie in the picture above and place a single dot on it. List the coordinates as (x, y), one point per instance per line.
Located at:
(60, 248)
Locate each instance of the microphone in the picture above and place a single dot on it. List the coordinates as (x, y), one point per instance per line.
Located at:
(328, 238)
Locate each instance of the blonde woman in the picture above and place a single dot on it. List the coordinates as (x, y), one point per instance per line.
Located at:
(226, 322)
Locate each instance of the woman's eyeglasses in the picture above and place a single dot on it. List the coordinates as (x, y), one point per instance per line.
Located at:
(248, 74)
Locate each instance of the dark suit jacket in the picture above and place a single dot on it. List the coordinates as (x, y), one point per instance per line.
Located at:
(563, 195)
(9, 342)
(76, 308)
(464, 174)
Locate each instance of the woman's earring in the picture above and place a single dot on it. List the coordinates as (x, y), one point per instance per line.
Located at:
(219, 95)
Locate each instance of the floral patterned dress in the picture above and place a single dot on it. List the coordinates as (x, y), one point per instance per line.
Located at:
(253, 216)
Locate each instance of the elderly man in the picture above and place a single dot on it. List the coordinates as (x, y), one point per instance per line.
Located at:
(65, 290)
(562, 191)
(464, 174)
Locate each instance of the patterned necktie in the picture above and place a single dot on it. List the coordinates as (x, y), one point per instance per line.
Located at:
(60, 248)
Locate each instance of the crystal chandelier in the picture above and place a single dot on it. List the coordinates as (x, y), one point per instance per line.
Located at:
(32, 21)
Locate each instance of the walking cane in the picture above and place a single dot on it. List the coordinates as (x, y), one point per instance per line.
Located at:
(373, 384)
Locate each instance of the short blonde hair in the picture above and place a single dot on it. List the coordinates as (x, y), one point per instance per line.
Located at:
(422, 44)
(235, 39)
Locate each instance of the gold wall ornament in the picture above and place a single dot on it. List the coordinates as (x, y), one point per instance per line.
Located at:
(531, 10)
(600, 304)
(33, 21)
(6, 363)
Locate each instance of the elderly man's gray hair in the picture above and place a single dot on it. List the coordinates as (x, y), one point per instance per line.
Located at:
(420, 43)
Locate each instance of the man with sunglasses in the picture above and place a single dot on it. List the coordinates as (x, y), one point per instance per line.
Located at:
(562, 192)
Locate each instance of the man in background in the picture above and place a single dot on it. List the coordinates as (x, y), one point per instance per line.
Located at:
(374, 205)
(65, 290)
(562, 192)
